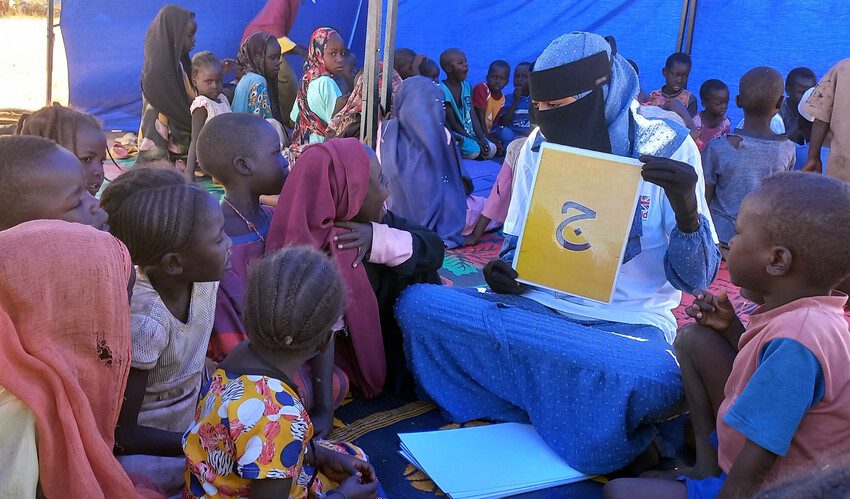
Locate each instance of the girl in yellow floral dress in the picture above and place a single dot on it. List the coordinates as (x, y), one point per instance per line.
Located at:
(252, 436)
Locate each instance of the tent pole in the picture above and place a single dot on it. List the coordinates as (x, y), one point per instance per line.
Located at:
(50, 39)
(682, 22)
(691, 17)
(368, 119)
(389, 49)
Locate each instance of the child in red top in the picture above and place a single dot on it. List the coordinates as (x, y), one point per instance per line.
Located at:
(712, 122)
(779, 389)
(676, 71)
(487, 97)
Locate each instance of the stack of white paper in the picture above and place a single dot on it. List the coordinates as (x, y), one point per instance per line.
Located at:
(487, 461)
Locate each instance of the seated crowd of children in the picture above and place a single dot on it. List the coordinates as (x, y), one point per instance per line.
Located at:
(179, 342)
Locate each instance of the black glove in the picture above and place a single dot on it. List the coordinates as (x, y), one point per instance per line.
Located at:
(501, 278)
(678, 180)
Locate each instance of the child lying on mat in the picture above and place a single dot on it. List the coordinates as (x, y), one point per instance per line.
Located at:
(777, 392)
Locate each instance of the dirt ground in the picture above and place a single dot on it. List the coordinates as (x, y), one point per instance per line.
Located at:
(23, 64)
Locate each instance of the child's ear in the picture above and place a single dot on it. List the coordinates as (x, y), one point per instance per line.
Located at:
(242, 165)
(738, 102)
(779, 102)
(171, 264)
(780, 262)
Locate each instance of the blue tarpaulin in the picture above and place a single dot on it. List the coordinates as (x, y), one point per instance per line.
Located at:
(104, 39)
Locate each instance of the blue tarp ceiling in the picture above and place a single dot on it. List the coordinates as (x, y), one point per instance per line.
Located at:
(104, 39)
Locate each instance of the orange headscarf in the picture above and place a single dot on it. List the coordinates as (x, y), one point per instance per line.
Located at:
(65, 349)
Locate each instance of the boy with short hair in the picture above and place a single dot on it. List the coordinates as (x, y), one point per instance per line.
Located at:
(403, 62)
(461, 121)
(41, 180)
(487, 96)
(778, 392)
(429, 69)
(796, 83)
(712, 122)
(513, 121)
(676, 71)
(734, 165)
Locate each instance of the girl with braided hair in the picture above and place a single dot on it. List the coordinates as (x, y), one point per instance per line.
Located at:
(252, 436)
(78, 132)
(174, 232)
(319, 97)
(334, 202)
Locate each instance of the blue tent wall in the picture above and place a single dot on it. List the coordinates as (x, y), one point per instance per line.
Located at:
(104, 39)
(519, 31)
(104, 44)
(731, 38)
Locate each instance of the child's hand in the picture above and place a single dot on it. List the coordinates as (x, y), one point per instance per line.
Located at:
(484, 145)
(340, 467)
(228, 65)
(360, 237)
(323, 423)
(353, 488)
(813, 165)
(715, 312)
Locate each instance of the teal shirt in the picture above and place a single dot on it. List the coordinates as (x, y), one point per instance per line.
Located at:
(322, 95)
(464, 113)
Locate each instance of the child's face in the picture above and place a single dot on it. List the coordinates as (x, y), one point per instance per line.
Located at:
(208, 81)
(497, 78)
(521, 78)
(797, 88)
(91, 151)
(717, 103)
(208, 257)
(676, 76)
(457, 67)
(272, 62)
(377, 193)
(749, 250)
(58, 190)
(189, 36)
(333, 54)
(349, 67)
(269, 164)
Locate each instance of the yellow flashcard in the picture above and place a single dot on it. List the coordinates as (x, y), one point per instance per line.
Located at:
(580, 213)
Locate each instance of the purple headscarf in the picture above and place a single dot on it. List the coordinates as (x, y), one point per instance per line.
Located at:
(425, 178)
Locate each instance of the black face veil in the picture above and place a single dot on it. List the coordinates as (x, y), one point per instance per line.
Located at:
(580, 124)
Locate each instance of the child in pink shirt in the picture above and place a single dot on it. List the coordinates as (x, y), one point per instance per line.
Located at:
(712, 122)
(778, 392)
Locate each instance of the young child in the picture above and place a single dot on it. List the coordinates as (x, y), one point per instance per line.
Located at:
(345, 78)
(334, 201)
(487, 97)
(429, 69)
(319, 97)
(210, 102)
(42, 180)
(676, 71)
(780, 390)
(712, 122)
(252, 436)
(258, 63)
(240, 151)
(65, 352)
(829, 109)
(796, 83)
(734, 165)
(461, 121)
(77, 132)
(513, 120)
(403, 62)
(174, 231)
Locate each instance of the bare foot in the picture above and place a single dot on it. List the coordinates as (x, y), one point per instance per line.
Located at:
(689, 471)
